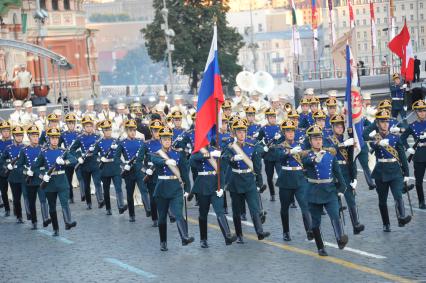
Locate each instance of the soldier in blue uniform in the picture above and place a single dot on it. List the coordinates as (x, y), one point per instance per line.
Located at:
(325, 185)
(31, 183)
(270, 134)
(227, 107)
(14, 174)
(88, 162)
(110, 167)
(52, 122)
(391, 169)
(395, 127)
(252, 128)
(331, 104)
(152, 146)
(398, 94)
(291, 180)
(178, 131)
(303, 118)
(299, 133)
(54, 160)
(5, 141)
(206, 186)
(313, 106)
(172, 187)
(245, 163)
(417, 130)
(133, 151)
(320, 120)
(347, 167)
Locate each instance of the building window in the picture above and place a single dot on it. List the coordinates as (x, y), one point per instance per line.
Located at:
(423, 42)
(378, 9)
(55, 6)
(344, 12)
(421, 5)
(412, 17)
(357, 22)
(43, 4)
(67, 5)
(385, 20)
(378, 21)
(379, 33)
(363, 11)
(402, 7)
(260, 27)
(421, 16)
(422, 29)
(365, 46)
(358, 34)
(344, 24)
(364, 22)
(357, 11)
(411, 6)
(365, 34)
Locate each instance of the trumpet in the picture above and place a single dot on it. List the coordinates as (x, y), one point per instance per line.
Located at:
(288, 107)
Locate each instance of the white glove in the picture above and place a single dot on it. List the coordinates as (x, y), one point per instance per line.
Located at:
(149, 172)
(295, 150)
(103, 159)
(277, 136)
(349, 142)
(171, 162)
(395, 130)
(80, 160)
(30, 173)
(238, 157)
(340, 195)
(60, 161)
(46, 178)
(215, 153)
(354, 183)
(404, 86)
(406, 179)
(319, 156)
(384, 142)
(265, 148)
(127, 167)
(92, 148)
(411, 150)
(255, 135)
(219, 193)
(185, 195)
(258, 189)
(114, 146)
(10, 166)
(179, 138)
(423, 136)
(372, 134)
(405, 108)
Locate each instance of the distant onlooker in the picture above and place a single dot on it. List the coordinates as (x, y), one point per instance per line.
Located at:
(416, 69)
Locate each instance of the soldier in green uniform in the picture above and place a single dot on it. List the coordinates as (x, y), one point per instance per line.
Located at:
(55, 159)
(391, 170)
(326, 184)
(245, 179)
(172, 187)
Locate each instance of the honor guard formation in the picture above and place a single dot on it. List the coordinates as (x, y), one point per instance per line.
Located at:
(304, 156)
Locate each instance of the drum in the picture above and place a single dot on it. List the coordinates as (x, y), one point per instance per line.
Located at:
(41, 90)
(20, 93)
(5, 93)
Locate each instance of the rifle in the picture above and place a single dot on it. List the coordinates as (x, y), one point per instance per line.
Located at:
(101, 164)
(87, 154)
(147, 177)
(131, 162)
(13, 162)
(52, 169)
(416, 144)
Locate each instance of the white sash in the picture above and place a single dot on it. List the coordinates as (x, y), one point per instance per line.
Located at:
(246, 159)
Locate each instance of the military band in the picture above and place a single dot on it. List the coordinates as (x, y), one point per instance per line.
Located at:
(309, 149)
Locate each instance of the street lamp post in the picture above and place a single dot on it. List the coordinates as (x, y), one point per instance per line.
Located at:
(169, 33)
(252, 45)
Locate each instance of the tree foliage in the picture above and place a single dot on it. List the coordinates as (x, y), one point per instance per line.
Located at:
(192, 22)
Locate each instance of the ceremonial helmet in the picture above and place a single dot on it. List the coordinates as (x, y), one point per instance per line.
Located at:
(330, 102)
(293, 114)
(130, 124)
(383, 114)
(177, 114)
(87, 120)
(288, 125)
(52, 117)
(17, 130)
(166, 132)
(70, 117)
(225, 118)
(314, 100)
(156, 124)
(304, 100)
(338, 118)
(419, 105)
(33, 129)
(5, 125)
(319, 114)
(395, 76)
(193, 116)
(105, 124)
(270, 111)
(226, 104)
(53, 132)
(384, 104)
(314, 130)
(239, 125)
(250, 110)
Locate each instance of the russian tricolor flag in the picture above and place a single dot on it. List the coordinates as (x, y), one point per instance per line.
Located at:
(210, 99)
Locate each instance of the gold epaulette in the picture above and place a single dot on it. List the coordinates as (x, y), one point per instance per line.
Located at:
(332, 150)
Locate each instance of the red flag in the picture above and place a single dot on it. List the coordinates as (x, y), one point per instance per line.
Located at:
(402, 47)
(351, 15)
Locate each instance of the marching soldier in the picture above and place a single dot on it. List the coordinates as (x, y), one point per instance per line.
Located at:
(270, 134)
(5, 141)
(299, 133)
(398, 94)
(178, 131)
(245, 179)
(304, 114)
(325, 186)
(252, 128)
(391, 170)
(206, 187)
(417, 152)
(227, 107)
(31, 184)
(14, 174)
(313, 106)
(53, 122)
(172, 187)
(331, 104)
(320, 120)
(347, 167)
(133, 151)
(87, 161)
(54, 160)
(110, 167)
(291, 180)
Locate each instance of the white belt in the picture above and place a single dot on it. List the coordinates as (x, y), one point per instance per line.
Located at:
(397, 98)
(288, 168)
(60, 172)
(343, 162)
(108, 160)
(320, 181)
(240, 171)
(421, 144)
(207, 173)
(387, 160)
(167, 177)
(150, 163)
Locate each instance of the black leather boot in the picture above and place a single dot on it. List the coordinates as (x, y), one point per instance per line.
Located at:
(358, 227)
(54, 217)
(400, 213)
(154, 223)
(132, 218)
(318, 241)
(183, 232)
(27, 208)
(203, 233)
(34, 226)
(341, 238)
(120, 203)
(45, 214)
(66, 211)
(172, 216)
(108, 212)
(163, 236)
(385, 218)
(238, 229)
(224, 227)
(259, 228)
(7, 213)
(368, 179)
(286, 228)
(307, 222)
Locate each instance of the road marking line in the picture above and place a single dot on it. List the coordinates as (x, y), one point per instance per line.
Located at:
(315, 255)
(59, 238)
(356, 251)
(130, 268)
(247, 223)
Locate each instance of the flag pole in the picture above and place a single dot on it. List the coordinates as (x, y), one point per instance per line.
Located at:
(217, 126)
